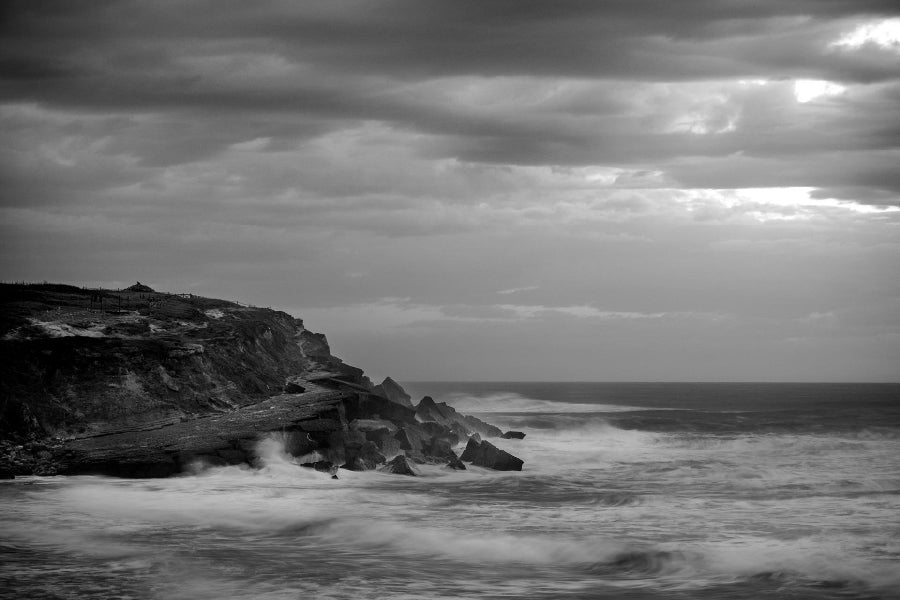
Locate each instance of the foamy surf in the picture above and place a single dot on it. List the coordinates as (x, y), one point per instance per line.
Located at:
(669, 504)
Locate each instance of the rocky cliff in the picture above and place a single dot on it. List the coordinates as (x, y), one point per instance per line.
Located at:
(140, 383)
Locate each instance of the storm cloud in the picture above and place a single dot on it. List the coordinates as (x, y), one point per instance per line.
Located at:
(590, 190)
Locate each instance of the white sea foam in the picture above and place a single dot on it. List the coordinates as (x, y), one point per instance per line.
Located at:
(596, 504)
(510, 402)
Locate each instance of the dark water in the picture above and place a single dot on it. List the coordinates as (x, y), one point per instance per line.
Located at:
(629, 491)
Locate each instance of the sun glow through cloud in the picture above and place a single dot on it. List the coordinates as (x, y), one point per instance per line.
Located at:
(884, 34)
(806, 90)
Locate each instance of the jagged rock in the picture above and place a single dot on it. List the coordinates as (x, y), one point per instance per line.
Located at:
(411, 439)
(387, 444)
(471, 450)
(400, 465)
(392, 390)
(456, 464)
(366, 458)
(436, 430)
(475, 437)
(171, 379)
(441, 412)
(485, 454)
(513, 435)
(294, 385)
(438, 449)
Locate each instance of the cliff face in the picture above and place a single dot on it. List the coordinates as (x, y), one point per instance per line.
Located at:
(138, 383)
(70, 367)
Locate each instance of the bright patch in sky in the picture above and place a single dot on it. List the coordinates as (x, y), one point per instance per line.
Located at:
(806, 90)
(885, 33)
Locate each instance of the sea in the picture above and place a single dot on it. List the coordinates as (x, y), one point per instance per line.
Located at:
(629, 490)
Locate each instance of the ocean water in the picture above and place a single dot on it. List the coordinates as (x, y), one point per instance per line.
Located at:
(628, 491)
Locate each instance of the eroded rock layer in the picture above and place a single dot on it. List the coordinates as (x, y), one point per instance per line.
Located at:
(140, 383)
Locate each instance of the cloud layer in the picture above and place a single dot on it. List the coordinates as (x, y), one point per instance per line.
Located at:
(492, 189)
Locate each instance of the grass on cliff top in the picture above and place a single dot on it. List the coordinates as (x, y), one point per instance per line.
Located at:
(21, 301)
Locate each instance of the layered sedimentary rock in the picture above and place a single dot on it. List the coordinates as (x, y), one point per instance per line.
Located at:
(138, 383)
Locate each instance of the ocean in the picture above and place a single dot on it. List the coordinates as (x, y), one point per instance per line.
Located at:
(650, 491)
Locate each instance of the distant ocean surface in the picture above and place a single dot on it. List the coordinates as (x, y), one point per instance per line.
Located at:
(675, 491)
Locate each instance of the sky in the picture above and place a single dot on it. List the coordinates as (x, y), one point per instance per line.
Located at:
(603, 190)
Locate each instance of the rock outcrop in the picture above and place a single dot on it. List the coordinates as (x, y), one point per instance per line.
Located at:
(152, 383)
(513, 435)
(392, 390)
(485, 454)
(400, 465)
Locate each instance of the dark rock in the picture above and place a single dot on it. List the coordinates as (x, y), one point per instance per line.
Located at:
(400, 465)
(471, 450)
(165, 380)
(384, 439)
(438, 449)
(441, 412)
(294, 385)
(391, 390)
(513, 435)
(456, 464)
(436, 430)
(487, 455)
(365, 458)
(412, 439)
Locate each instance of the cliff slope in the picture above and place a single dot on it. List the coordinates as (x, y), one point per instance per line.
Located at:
(140, 383)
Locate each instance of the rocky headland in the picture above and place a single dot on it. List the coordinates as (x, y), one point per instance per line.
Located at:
(137, 383)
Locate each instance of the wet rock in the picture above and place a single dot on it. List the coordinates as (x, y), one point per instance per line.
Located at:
(513, 435)
(384, 439)
(412, 439)
(485, 454)
(456, 464)
(400, 465)
(392, 390)
(364, 458)
(441, 412)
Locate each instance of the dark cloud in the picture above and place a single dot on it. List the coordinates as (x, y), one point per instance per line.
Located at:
(388, 167)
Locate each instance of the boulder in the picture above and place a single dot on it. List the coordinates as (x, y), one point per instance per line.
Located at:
(364, 458)
(513, 435)
(384, 439)
(391, 390)
(412, 439)
(485, 454)
(438, 449)
(400, 465)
